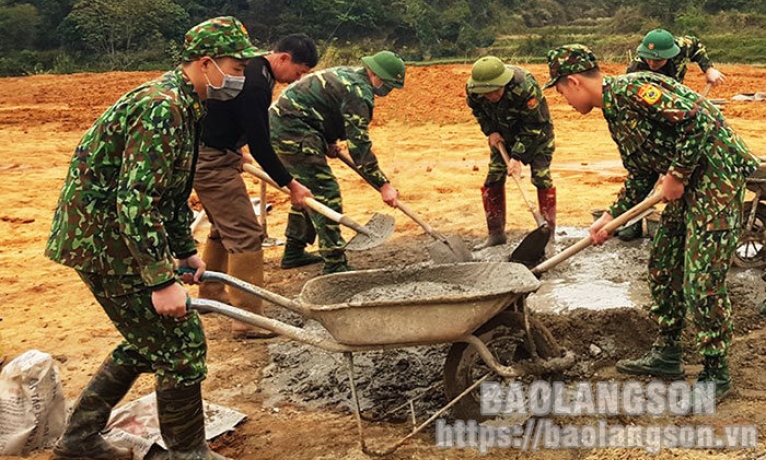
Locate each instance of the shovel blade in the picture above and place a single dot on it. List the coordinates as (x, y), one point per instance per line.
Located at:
(531, 250)
(381, 227)
(449, 250)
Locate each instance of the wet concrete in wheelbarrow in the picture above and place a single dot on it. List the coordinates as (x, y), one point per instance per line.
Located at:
(589, 303)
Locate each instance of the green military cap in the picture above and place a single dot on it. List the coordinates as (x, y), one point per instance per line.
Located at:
(488, 74)
(388, 66)
(657, 45)
(223, 36)
(569, 60)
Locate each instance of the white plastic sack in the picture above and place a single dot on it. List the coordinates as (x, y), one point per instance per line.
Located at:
(32, 405)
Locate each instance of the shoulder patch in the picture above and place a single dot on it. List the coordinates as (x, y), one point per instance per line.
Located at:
(649, 93)
(532, 103)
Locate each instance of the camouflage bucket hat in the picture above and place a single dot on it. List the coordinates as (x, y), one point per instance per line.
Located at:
(223, 36)
(569, 60)
(488, 74)
(657, 45)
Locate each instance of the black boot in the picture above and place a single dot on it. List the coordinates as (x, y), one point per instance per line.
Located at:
(82, 438)
(182, 424)
(295, 255)
(663, 360)
(716, 370)
(631, 233)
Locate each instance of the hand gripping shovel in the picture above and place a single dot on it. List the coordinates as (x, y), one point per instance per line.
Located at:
(446, 249)
(610, 227)
(376, 232)
(532, 248)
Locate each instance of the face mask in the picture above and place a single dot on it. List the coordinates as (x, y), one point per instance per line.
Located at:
(383, 89)
(230, 87)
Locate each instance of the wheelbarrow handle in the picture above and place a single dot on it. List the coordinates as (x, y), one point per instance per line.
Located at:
(507, 159)
(399, 204)
(311, 203)
(610, 227)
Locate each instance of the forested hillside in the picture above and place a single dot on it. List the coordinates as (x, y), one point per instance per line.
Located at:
(94, 35)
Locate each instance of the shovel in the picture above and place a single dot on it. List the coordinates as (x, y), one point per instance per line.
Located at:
(532, 248)
(610, 227)
(446, 249)
(376, 232)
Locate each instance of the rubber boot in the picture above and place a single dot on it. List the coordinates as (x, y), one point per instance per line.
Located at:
(494, 209)
(295, 255)
(631, 233)
(216, 258)
(182, 424)
(247, 266)
(82, 438)
(546, 201)
(663, 360)
(336, 262)
(716, 370)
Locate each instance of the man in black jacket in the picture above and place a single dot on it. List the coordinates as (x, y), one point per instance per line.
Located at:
(234, 243)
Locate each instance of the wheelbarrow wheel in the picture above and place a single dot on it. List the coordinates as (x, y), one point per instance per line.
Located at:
(751, 247)
(506, 338)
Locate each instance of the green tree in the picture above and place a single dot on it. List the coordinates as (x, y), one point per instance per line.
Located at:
(117, 28)
(19, 24)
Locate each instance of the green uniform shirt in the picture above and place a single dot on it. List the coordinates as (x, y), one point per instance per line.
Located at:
(663, 127)
(691, 51)
(521, 116)
(322, 108)
(123, 209)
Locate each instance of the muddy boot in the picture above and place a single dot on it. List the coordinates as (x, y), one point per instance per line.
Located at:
(661, 361)
(82, 438)
(494, 210)
(546, 201)
(216, 258)
(247, 266)
(296, 256)
(182, 424)
(631, 233)
(335, 261)
(716, 370)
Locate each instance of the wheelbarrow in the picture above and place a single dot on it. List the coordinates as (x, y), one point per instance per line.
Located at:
(476, 304)
(751, 247)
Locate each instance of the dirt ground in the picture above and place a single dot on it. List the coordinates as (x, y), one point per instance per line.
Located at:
(436, 156)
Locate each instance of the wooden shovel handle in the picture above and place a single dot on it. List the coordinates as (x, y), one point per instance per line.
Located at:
(402, 207)
(535, 213)
(311, 202)
(610, 227)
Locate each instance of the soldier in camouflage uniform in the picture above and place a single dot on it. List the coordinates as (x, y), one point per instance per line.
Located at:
(662, 53)
(306, 122)
(510, 107)
(663, 127)
(122, 218)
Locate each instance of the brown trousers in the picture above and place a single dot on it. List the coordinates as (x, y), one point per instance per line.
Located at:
(222, 191)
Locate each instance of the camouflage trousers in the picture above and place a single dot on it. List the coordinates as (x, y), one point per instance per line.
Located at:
(314, 172)
(540, 167)
(174, 349)
(687, 274)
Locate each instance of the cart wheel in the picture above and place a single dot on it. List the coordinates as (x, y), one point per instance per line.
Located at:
(505, 337)
(751, 248)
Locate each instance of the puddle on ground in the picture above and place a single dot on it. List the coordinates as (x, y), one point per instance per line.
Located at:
(597, 278)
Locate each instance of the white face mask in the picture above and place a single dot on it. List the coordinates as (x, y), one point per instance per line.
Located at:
(230, 87)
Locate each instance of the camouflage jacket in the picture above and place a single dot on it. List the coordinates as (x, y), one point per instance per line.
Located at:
(123, 208)
(691, 51)
(322, 108)
(663, 127)
(521, 116)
